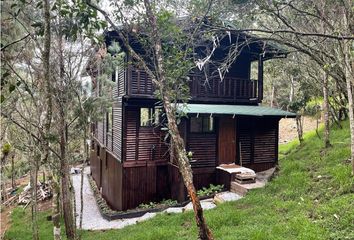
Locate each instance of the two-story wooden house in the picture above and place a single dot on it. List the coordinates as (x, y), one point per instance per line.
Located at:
(130, 160)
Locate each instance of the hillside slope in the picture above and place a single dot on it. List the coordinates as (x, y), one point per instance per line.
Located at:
(311, 197)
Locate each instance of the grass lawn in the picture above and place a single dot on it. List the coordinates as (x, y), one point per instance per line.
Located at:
(312, 197)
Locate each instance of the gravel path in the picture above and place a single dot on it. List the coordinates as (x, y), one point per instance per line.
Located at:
(93, 220)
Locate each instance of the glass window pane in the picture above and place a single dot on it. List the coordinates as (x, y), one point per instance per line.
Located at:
(157, 116)
(208, 125)
(109, 119)
(254, 70)
(145, 117)
(196, 124)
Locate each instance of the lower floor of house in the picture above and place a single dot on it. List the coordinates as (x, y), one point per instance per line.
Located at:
(146, 171)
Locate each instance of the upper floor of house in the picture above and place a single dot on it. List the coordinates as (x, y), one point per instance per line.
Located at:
(240, 82)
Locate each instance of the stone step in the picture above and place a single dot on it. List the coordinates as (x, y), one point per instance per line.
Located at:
(242, 188)
(261, 180)
(238, 188)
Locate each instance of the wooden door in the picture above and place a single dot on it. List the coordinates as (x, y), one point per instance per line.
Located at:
(227, 141)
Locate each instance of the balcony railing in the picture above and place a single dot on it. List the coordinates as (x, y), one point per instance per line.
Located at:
(213, 89)
(229, 88)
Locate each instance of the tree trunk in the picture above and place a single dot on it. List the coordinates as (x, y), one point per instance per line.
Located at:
(66, 194)
(349, 82)
(56, 209)
(326, 110)
(186, 170)
(65, 184)
(33, 183)
(183, 161)
(48, 84)
(349, 79)
(13, 171)
(299, 128)
(82, 176)
(158, 79)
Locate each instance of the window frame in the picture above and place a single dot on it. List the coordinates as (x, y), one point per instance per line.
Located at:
(203, 127)
(109, 120)
(154, 120)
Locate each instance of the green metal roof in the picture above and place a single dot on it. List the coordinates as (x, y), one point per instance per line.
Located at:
(233, 110)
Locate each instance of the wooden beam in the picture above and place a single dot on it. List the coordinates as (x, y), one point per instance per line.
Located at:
(260, 78)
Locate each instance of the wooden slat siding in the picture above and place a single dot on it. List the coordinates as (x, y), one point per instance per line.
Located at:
(178, 190)
(94, 163)
(244, 139)
(144, 184)
(117, 129)
(259, 167)
(203, 177)
(134, 186)
(104, 126)
(265, 140)
(143, 143)
(162, 187)
(141, 83)
(100, 131)
(130, 134)
(120, 79)
(203, 147)
(109, 142)
(258, 138)
(229, 88)
(112, 181)
(151, 145)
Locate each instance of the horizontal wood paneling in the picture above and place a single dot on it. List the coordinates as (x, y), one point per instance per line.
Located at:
(130, 134)
(244, 140)
(203, 147)
(141, 83)
(100, 131)
(258, 140)
(265, 141)
(121, 79)
(143, 143)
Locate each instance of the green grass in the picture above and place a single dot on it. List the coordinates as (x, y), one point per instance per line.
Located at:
(311, 197)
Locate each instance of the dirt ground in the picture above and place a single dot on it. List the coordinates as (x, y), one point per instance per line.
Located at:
(287, 128)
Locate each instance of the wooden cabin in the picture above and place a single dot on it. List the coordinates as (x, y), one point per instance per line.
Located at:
(130, 159)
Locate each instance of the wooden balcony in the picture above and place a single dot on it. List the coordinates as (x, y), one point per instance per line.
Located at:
(230, 89)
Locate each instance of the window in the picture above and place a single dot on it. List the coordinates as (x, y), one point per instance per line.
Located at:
(114, 75)
(98, 151)
(109, 118)
(149, 116)
(254, 70)
(202, 124)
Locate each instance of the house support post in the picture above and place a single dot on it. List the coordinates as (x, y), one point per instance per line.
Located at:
(260, 78)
